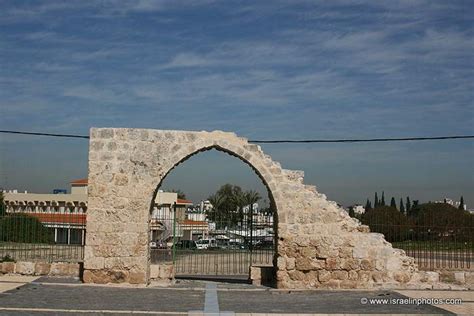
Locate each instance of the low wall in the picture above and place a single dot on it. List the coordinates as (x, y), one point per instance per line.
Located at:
(41, 268)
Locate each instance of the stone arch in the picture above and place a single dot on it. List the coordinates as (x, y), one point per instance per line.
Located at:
(319, 245)
(181, 157)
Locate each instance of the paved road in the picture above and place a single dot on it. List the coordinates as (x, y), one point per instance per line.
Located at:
(47, 296)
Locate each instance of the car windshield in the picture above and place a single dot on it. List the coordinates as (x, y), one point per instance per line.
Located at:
(204, 242)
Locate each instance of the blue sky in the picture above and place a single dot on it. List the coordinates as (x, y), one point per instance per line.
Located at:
(264, 69)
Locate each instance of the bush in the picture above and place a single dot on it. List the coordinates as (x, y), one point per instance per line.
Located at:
(7, 258)
(388, 221)
(24, 228)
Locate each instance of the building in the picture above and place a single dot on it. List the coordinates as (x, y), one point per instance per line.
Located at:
(453, 203)
(66, 214)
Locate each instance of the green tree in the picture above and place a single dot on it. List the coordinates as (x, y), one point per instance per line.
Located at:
(24, 228)
(408, 206)
(368, 205)
(388, 221)
(351, 211)
(376, 200)
(181, 194)
(231, 203)
(441, 221)
(461, 203)
(216, 201)
(2, 204)
(382, 202)
(402, 207)
(393, 203)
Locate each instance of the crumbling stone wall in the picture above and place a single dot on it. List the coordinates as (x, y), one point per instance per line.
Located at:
(319, 245)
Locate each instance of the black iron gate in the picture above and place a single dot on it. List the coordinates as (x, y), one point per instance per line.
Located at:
(210, 243)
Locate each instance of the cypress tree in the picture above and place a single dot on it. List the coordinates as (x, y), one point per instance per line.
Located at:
(408, 206)
(402, 207)
(351, 211)
(376, 201)
(367, 205)
(392, 203)
(461, 203)
(383, 199)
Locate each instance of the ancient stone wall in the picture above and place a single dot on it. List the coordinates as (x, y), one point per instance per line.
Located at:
(319, 245)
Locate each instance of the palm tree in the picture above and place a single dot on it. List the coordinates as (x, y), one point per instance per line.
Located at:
(216, 200)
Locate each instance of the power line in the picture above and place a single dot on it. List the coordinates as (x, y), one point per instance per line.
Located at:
(44, 134)
(360, 140)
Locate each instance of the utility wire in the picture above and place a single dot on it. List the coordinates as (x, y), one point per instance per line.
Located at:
(360, 140)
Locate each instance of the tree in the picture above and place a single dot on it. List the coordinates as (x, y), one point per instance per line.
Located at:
(2, 204)
(402, 207)
(408, 206)
(441, 221)
(180, 193)
(382, 202)
(368, 205)
(393, 203)
(461, 203)
(230, 206)
(376, 200)
(388, 221)
(216, 201)
(25, 229)
(351, 211)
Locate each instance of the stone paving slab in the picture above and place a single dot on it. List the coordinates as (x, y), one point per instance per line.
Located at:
(101, 298)
(10, 282)
(326, 302)
(467, 297)
(58, 297)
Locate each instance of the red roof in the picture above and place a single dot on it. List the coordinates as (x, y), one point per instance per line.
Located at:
(60, 218)
(191, 222)
(79, 181)
(183, 201)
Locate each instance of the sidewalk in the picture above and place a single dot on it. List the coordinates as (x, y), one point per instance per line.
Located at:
(50, 296)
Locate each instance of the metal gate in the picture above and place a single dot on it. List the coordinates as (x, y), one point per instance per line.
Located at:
(212, 243)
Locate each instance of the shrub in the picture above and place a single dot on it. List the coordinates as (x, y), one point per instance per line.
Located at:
(24, 228)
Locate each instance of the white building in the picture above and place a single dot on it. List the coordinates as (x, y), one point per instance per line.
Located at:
(453, 203)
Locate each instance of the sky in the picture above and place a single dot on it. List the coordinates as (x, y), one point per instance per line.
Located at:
(263, 69)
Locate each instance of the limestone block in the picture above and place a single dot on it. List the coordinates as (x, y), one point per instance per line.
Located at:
(469, 277)
(281, 263)
(340, 275)
(459, 277)
(42, 268)
(290, 263)
(137, 278)
(26, 268)
(324, 276)
(7, 267)
(154, 271)
(350, 264)
(64, 269)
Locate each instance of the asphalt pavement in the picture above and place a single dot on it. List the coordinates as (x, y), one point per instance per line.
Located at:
(53, 296)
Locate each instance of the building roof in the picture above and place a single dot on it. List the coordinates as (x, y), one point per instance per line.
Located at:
(183, 201)
(79, 182)
(193, 223)
(60, 218)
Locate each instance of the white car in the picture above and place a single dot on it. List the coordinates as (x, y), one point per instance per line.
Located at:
(206, 243)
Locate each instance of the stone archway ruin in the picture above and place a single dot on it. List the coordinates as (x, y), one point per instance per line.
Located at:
(319, 245)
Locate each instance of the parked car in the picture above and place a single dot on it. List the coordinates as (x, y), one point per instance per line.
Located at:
(158, 244)
(186, 244)
(203, 244)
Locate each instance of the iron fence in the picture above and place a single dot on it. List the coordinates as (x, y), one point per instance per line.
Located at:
(41, 233)
(224, 243)
(436, 235)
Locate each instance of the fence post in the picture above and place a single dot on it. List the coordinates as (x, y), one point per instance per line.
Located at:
(174, 234)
